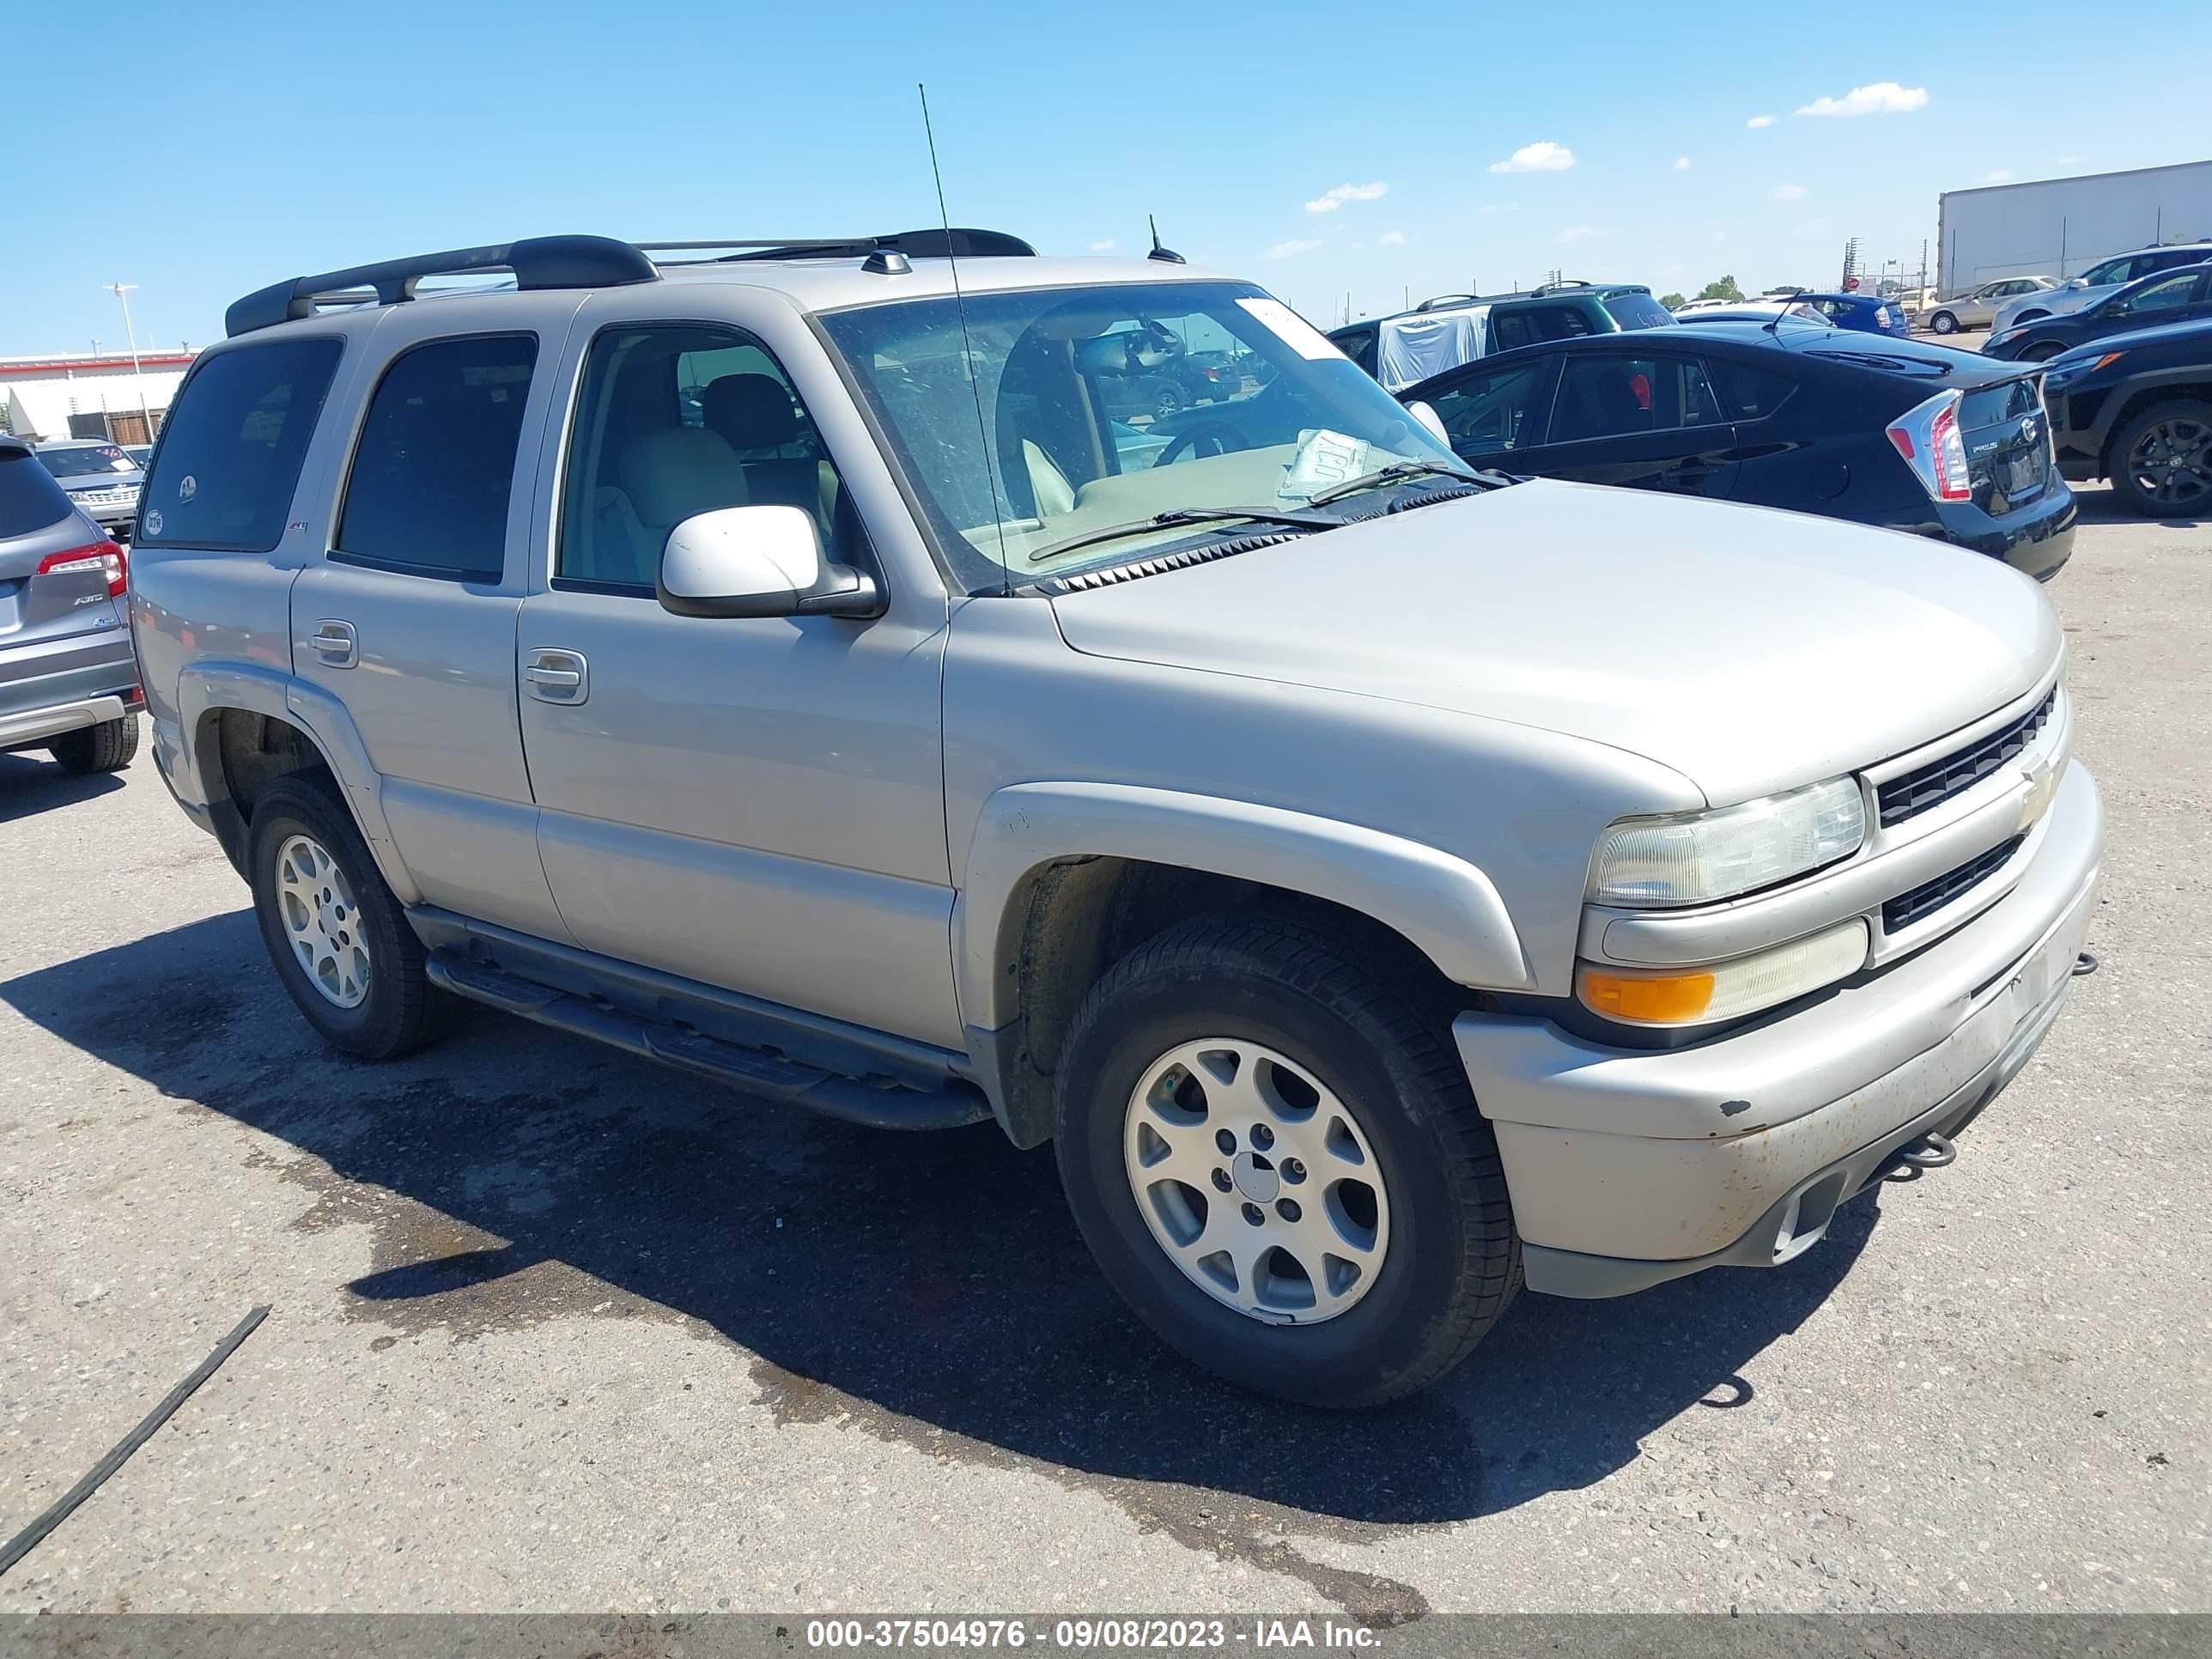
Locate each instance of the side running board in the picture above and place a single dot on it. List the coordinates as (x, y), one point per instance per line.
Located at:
(757, 1071)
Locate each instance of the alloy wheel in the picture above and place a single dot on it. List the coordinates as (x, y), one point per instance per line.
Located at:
(2171, 461)
(1257, 1181)
(322, 922)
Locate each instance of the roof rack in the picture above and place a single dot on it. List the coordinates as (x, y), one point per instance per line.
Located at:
(935, 243)
(537, 262)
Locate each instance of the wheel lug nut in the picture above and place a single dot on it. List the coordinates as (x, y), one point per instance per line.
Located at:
(1288, 1208)
(1221, 1180)
(1251, 1214)
(1262, 1136)
(1293, 1170)
(1226, 1141)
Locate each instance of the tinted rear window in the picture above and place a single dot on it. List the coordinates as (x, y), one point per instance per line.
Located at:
(1992, 404)
(232, 446)
(1638, 310)
(435, 462)
(29, 498)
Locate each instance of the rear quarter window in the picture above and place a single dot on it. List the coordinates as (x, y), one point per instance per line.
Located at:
(1638, 310)
(1752, 393)
(29, 498)
(232, 447)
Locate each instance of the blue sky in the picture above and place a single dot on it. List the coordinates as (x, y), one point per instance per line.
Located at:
(255, 142)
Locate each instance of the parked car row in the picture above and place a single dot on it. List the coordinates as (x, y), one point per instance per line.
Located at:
(2178, 294)
(1457, 328)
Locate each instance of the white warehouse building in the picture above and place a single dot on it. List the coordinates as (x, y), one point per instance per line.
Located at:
(2060, 226)
(80, 395)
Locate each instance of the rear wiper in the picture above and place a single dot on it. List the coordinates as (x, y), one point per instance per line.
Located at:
(1396, 472)
(1183, 515)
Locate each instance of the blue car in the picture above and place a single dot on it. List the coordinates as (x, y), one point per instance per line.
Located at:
(1863, 313)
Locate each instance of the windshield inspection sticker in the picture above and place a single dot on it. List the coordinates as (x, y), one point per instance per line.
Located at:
(1293, 330)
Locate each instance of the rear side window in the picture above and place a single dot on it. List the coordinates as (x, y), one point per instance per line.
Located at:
(232, 446)
(434, 465)
(29, 498)
(1752, 393)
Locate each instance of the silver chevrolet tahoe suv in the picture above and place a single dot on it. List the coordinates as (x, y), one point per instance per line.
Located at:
(1386, 884)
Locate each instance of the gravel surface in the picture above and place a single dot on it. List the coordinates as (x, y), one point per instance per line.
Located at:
(554, 1329)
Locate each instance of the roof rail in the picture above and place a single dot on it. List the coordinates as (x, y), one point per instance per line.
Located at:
(935, 243)
(538, 262)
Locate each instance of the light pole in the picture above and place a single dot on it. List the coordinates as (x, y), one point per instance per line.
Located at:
(122, 292)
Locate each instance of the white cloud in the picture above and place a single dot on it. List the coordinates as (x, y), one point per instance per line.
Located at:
(1882, 98)
(1574, 232)
(1499, 206)
(1329, 200)
(1758, 121)
(1541, 157)
(1789, 192)
(1681, 164)
(1392, 239)
(1292, 250)
(1996, 176)
(1106, 246)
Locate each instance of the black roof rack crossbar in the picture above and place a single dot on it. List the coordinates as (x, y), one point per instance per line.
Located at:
(538, 262)
(934, 243)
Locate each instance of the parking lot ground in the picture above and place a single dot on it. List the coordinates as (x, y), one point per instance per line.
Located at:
(554, 1329)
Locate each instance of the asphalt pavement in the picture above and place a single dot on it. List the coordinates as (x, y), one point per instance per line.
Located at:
(555, 1329)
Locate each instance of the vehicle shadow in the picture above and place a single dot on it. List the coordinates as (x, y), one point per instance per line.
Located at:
(929, 1288)
(2100, 505)
(30, 786)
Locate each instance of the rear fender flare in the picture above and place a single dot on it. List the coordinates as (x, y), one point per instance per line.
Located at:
(204, 689)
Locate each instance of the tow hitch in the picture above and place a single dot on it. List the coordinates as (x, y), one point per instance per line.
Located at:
(1931, 1151)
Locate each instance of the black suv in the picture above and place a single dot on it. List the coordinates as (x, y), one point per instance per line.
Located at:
(2137, 409)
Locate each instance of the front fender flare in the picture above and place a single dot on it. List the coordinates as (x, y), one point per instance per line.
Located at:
(1446, 906)
(204, 689)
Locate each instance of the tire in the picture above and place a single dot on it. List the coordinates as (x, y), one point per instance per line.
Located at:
(2141, 444)
(393, 1008)
(106, 747)
(1293, 1000)
(1944, 323)
(2043, 353)
(2028, 317)
(1166, 401)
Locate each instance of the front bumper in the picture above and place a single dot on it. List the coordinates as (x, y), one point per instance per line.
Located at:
(1628, 1168)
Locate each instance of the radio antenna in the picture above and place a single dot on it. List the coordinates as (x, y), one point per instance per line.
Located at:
(967, 351)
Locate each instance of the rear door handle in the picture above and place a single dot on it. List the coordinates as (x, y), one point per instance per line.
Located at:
(335, 643)
(555, 676)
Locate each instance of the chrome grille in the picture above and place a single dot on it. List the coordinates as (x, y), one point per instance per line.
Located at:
(1930, 896)
(1931, 785)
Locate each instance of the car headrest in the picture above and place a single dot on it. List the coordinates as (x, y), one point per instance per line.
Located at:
(751, 411)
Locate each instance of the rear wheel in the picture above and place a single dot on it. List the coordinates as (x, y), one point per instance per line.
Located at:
(1268, 1142)
(2161, 458)
(106, 747)
(1944, 323)
(337, 934)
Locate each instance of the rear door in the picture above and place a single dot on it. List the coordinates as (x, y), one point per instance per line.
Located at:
(2007, 442)
(409, 616)
(1647, 419)
(58, 621)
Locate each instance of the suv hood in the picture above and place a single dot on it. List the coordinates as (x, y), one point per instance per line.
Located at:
(1748, 649)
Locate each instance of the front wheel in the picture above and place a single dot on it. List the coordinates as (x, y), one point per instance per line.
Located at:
(337, 934)
(2042, 354)
(1944, 323)
(1268, 1143)
(2162, 458)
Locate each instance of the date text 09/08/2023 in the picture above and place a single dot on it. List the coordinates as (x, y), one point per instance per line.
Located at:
(1130, 1634)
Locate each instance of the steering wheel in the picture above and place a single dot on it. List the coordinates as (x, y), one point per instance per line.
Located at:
(1223, 436)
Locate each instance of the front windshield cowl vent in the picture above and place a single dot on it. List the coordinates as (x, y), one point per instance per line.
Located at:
(1129, 573)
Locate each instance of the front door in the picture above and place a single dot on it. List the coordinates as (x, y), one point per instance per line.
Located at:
(1646, 420)
(754, 803)
(409, 617)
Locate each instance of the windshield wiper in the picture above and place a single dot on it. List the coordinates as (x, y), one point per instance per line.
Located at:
(1396, 472)
(1183, 515)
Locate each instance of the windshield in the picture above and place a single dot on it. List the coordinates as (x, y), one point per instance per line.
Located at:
(1105, 407)
(75, 460)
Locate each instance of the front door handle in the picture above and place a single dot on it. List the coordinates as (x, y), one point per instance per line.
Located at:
(554, 676)
(335, 643)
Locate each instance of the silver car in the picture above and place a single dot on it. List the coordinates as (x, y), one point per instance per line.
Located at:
(68, 682)
(2095, 283)
(99, 478)
(1387, 885)
(1978, 308)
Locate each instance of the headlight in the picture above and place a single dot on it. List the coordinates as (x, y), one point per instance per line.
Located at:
(1724, 990)
(1698, 857)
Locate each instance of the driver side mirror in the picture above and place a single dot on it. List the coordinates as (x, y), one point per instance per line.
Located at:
(758, 561)
(1430, 422)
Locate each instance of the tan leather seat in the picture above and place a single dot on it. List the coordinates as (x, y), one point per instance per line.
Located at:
(668, 477)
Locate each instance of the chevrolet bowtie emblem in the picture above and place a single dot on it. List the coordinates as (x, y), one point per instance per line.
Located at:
(2042, 785)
